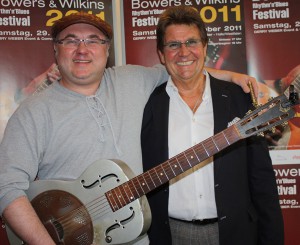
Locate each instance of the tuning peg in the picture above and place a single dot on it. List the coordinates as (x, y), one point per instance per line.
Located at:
(284, 124)
(270, 98)
(248, 112)
(262, 134)
(253, 97)
(273, 130)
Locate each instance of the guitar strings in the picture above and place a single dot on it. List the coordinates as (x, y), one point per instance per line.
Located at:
(191, 157)
(170, 168)
(100, 206)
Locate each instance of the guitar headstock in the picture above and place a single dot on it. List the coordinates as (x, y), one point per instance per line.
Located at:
(265, 117)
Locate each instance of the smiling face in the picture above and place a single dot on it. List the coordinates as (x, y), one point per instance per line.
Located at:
(184, 65)
(81, 67)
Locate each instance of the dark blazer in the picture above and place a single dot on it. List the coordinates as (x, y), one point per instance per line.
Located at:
(245, 187)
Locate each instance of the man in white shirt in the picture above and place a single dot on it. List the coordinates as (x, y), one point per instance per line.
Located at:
(231, 200)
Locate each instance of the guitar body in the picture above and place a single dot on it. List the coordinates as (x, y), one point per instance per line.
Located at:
(77, 212)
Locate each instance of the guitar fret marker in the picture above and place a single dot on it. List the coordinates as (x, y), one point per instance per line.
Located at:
(132, 182)
(196, 155)
(205, 150)
(146, 182)
(165, 173)
(131, 194)
(187, 159)
(157, 175)
(141, 186)
(179, 165)
(171, 168)
(225, 138)
(215, 143)
(124, 191)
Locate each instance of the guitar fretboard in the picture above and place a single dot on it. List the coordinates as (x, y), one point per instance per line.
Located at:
(155, 177)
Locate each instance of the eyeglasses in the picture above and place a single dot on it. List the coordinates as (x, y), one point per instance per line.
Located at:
(176, 45)
(74, 42)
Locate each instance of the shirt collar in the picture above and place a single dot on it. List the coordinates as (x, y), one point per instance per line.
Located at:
(171, 89)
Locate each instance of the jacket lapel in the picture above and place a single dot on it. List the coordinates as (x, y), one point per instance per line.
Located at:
(221, 105)
(161, 115)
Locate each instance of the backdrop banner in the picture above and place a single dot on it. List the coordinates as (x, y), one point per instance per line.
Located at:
(258, 37)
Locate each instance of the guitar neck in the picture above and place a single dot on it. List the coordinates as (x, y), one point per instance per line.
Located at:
(155, 177)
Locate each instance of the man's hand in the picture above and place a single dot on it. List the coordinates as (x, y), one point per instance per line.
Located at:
(53, 73)
(243, 80)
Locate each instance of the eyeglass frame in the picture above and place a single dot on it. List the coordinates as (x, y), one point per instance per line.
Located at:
(77, 41)
(186, 43)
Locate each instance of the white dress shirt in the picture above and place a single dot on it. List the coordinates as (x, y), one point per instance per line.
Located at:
(192, 194)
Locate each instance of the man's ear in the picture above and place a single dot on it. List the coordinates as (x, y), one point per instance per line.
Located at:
(161, 57)
(107, 51)
(205, 50)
